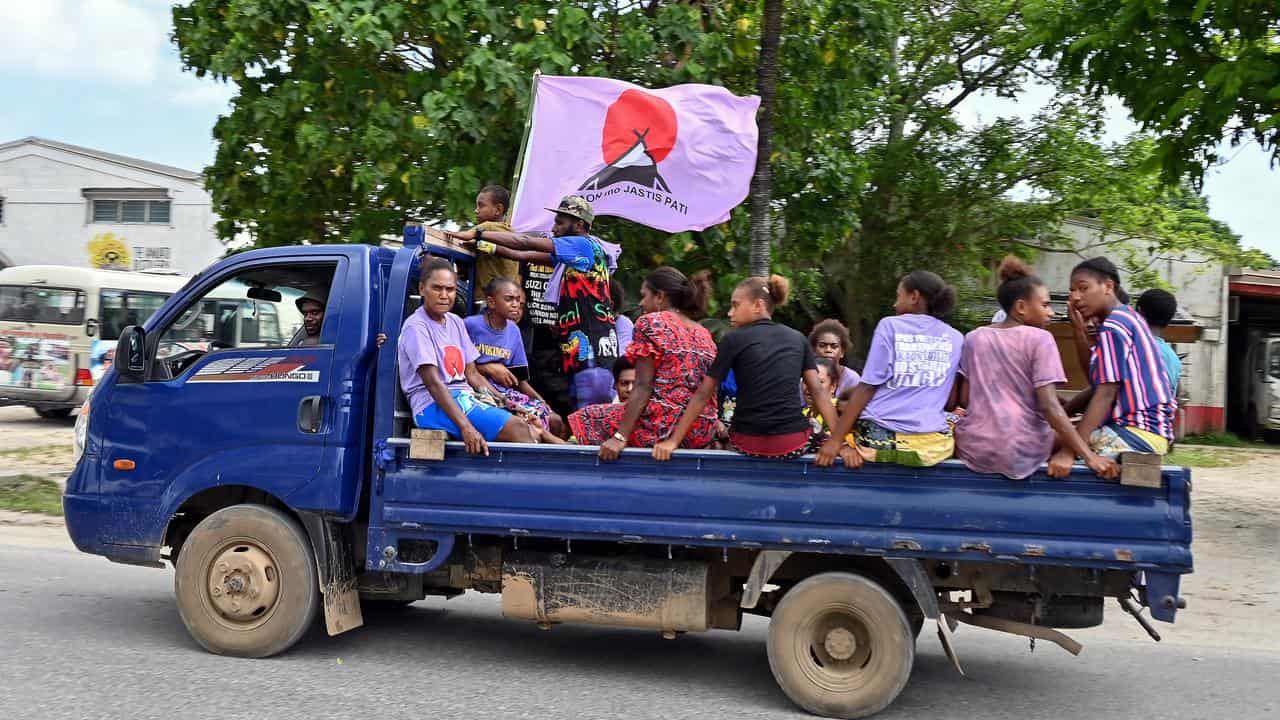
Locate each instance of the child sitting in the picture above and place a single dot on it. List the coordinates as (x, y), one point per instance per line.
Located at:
(1129, 406)
(765, 358)
(491, 209)
(827, 370)
(502, 357)
(1009, 374)
(898, 411)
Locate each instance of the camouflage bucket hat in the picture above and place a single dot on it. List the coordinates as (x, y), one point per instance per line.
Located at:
(575, 206)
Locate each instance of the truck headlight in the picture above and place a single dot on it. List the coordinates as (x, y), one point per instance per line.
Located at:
(81, 430)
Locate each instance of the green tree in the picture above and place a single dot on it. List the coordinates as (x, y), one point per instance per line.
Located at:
(353, 115)
(1190, 71)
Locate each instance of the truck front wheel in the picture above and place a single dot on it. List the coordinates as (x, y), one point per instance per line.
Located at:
(246, 582)
(840, 646)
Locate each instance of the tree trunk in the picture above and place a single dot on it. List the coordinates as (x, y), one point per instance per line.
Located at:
(762, 181)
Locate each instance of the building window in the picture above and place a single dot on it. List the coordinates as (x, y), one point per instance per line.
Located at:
(153, 212)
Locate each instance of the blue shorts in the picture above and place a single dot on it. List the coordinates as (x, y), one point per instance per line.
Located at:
(486, 419)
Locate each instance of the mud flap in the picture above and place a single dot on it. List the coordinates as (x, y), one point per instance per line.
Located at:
(336, 568)
(912, 573)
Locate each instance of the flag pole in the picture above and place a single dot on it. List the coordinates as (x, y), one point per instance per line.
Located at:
(524, 144)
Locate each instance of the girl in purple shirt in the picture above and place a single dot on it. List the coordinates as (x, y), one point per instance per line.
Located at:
(898, 411)
(1009, 376)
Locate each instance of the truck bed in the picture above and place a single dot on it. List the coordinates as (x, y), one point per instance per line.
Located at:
(724, 499)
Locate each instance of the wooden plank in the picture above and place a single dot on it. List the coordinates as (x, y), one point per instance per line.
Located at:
(427, 444)
(1141, 469)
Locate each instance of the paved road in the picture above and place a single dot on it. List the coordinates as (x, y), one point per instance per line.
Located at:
(83, 638)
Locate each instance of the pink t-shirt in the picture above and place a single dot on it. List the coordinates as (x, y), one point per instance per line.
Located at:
(1004, 431)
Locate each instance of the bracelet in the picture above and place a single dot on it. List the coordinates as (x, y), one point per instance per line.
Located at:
(485, 246)
(620, 438)
(479, 234)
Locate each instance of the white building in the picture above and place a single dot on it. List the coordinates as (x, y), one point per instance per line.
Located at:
(1200, 336)
(62, 204)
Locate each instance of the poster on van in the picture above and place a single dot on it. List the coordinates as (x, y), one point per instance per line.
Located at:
(33, 360)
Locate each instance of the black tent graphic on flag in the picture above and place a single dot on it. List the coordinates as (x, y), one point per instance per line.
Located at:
(636, 165)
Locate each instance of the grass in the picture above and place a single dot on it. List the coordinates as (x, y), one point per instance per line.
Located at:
(1195, 457)
(1218, 439)
(28, 493)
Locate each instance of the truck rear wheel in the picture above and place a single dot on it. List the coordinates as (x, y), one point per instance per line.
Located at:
(246, 582)
(840, 646)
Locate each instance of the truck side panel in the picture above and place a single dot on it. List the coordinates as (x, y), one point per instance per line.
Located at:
(718, 498)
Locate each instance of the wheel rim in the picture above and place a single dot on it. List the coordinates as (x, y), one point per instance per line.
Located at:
(242, 584)
(836, 649)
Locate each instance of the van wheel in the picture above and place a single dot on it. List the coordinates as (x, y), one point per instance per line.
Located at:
(840, 646)
(54, 413)
(246, 582)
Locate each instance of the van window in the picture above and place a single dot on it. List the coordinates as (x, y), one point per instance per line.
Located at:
(258, 308)
(1273, 359)
(122, 308)
(38, 304)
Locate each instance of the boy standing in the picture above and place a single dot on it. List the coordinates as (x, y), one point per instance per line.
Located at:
(491, 207)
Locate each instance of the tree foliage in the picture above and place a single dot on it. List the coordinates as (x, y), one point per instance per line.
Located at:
(354, 115)
(1190, 71)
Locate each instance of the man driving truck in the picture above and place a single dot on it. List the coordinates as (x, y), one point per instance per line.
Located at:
(312, 308)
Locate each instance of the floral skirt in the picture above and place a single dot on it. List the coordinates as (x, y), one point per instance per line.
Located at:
(531, 410)
(594, 424)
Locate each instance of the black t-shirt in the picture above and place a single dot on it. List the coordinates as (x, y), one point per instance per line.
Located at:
(767, 360)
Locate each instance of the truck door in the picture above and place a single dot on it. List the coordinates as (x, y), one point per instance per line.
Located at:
(223, 403)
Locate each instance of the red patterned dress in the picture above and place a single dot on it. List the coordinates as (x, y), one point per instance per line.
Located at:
(681, 354)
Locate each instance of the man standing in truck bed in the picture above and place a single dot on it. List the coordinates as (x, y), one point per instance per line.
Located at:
(579, 289)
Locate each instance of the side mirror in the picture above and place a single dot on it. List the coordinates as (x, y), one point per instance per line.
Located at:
(264, 294)
(131, 354)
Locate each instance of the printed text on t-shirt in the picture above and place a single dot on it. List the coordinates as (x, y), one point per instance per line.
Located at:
(920, 360)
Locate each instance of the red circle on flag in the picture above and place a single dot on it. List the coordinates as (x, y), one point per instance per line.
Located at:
(637, 114)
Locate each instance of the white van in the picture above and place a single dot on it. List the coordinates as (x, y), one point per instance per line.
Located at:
(59, 326)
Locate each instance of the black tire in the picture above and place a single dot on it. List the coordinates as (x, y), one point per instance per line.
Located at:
(840, 646)
(54, 413)
(246, 582)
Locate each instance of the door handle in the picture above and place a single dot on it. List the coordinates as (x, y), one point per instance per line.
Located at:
(310, 414)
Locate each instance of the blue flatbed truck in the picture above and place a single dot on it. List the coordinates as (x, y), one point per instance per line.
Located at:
(285, 482)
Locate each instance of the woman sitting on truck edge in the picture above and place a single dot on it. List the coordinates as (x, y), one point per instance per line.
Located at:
(898, 412)
(765, 358)
(1009, 376)
(1129, 406)
(502, 359)
(437, 366)
(672, 353)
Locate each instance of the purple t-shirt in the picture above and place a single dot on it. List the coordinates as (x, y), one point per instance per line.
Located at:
(1004, 431)
(444, 346)
(913, 360)
(626, 331)
(848, 378)
(505, 346)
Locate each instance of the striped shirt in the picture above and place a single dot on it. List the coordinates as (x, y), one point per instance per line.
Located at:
(1126, 353)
